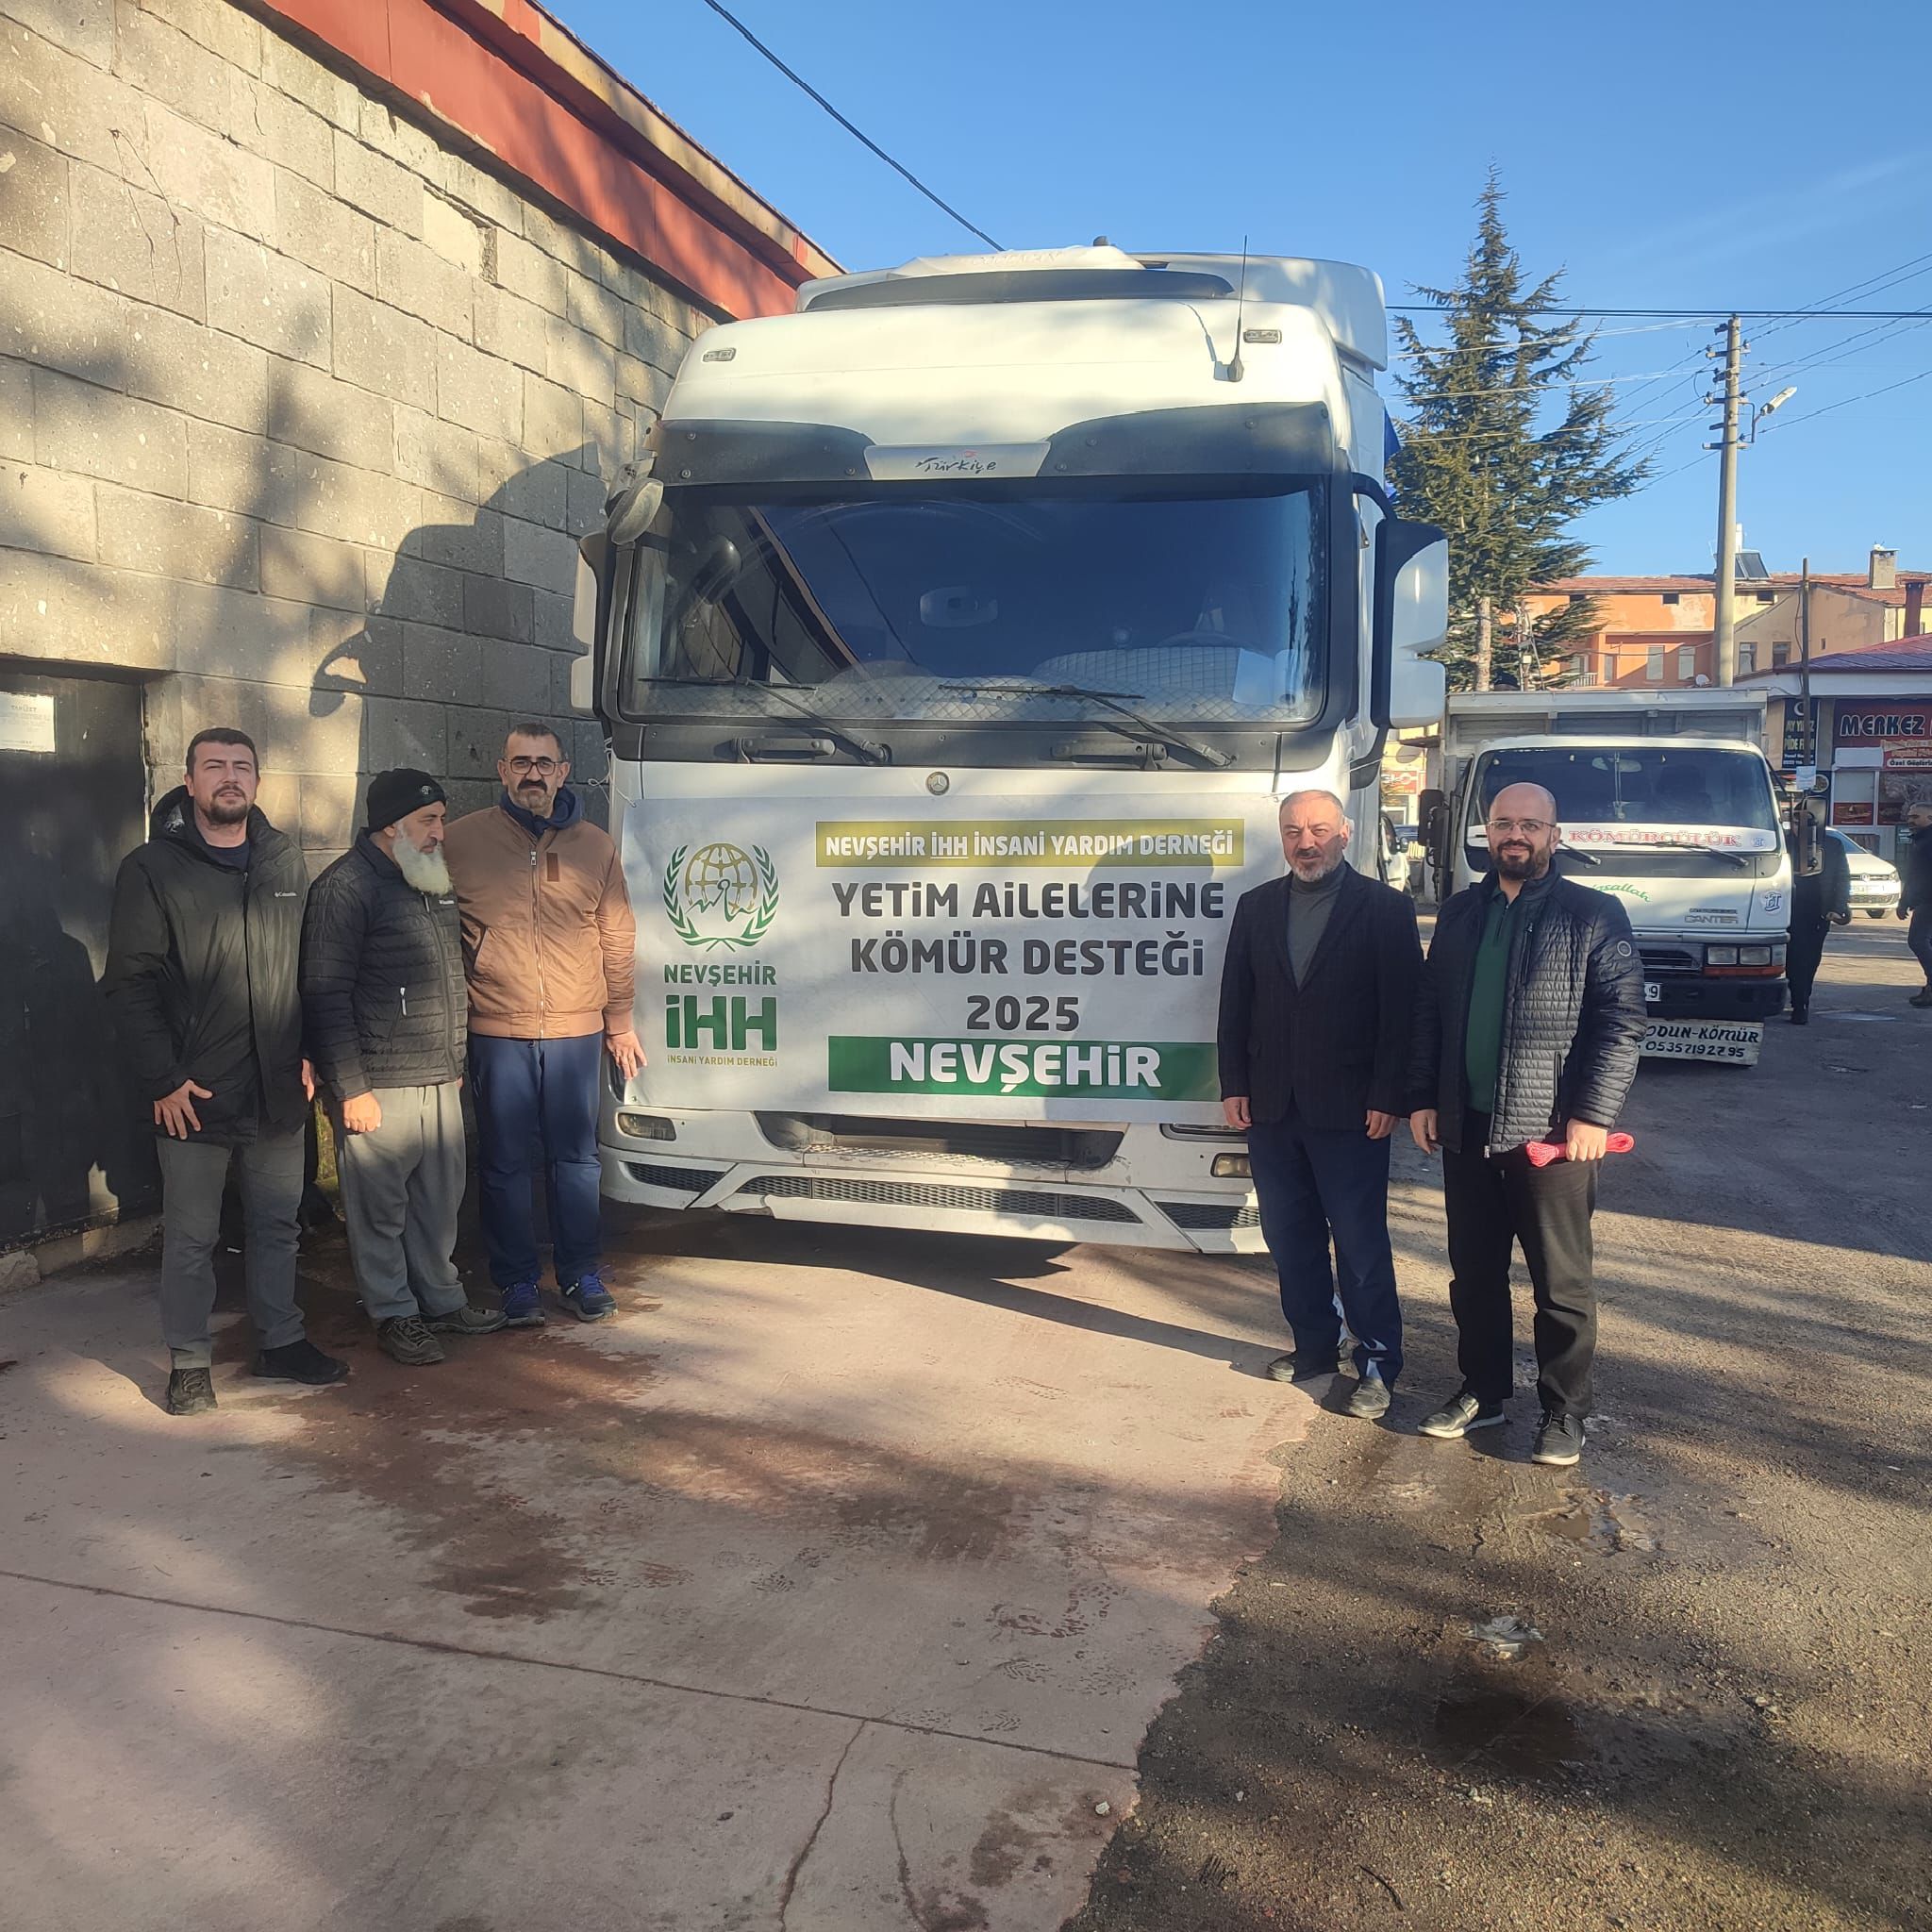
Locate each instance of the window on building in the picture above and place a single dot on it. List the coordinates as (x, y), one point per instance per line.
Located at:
(1672, 597)
(1747, 658)
(1766, 596)
(1579, 596)
(1654, 664)
(1780, 653)
(1687, 663)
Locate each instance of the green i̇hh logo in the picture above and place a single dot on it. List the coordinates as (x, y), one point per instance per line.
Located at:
(721, 895)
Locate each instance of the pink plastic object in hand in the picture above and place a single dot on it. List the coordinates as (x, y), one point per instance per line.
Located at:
(1543, 1152)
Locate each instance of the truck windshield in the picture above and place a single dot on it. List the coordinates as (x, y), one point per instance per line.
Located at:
(1631, 796)
(959, 607)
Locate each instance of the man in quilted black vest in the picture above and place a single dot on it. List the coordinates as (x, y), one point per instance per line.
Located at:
(383, 1009)
(1529, 1023)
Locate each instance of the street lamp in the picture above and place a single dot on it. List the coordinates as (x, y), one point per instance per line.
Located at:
(1764, 410)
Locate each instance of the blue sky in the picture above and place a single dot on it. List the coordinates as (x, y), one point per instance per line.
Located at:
(1364, 134)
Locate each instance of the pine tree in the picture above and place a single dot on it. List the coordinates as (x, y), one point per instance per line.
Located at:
(1505, 444)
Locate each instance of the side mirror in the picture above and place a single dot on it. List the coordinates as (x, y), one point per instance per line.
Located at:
(586, 667)
(1808, 835)
(1433, 816)
(1411, 617)
(632, 510)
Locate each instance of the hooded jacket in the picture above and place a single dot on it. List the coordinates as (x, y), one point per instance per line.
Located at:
(549, 940)
(382, 978)
(1573, 1014)
(200, 976)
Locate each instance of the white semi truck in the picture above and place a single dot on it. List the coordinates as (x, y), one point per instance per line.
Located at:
(955, 645)
(1666, 800)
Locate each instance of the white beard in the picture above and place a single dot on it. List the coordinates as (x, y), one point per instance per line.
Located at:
(425, 871)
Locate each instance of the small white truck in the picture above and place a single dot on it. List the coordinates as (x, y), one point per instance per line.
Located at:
(1666, 800)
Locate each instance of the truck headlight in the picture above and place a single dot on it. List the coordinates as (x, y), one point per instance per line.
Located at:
(1721, 956)
(1231, 1167)
(645, 1127)
(1754, 955)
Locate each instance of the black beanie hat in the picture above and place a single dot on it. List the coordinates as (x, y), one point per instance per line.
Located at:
(395, 795)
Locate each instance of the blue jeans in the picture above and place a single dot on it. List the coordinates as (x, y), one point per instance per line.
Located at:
(536, 1099)
(1315, 1185)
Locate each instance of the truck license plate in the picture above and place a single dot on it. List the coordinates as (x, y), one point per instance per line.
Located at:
(1651, 992)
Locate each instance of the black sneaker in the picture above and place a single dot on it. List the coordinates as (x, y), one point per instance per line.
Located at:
(1462, 1413)
(467, 1320)
(1369, 1397)
(1801, 1016)
(299, 1361)
(190, 1391)
(405, 1339)
(1921, 998)
(1296, 1368)
(1559, 1439)
(588, 1300)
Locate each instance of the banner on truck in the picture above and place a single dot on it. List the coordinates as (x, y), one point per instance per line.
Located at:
(811, 955)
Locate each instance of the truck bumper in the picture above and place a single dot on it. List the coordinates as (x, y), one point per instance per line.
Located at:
(1718, 999)
(862, 1195)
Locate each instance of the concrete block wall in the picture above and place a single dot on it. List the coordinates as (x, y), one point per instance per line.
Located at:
(302, 410)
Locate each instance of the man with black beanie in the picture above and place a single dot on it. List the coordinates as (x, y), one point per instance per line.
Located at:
(382, 997)
(201, 983)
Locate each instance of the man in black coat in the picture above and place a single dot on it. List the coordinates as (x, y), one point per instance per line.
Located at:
(1529, 1023)
(387, 1014)
(201, 984)
(1316, 995)
(1820, 900)
(1915, 894)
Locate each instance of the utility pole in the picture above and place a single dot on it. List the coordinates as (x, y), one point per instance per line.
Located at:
(1724, 635)
(1485, 633)
(1810, 756)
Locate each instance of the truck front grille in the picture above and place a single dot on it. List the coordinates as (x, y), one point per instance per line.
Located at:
(1670, 960)
(683, 1180)
(1037, 1203)
(1223, 1217)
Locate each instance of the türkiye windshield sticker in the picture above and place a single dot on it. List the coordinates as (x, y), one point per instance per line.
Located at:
(950, 959)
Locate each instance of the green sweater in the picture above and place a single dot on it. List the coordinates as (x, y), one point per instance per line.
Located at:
(1482, 1043)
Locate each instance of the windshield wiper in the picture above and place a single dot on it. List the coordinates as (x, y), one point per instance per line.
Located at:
(1112, 701)
(1737, 858)
(1570, 851)
(873, 753)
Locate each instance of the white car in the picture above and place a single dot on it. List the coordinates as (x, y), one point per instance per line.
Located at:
(1874, 881)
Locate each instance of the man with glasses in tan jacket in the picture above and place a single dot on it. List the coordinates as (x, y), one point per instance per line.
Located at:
(549, 948)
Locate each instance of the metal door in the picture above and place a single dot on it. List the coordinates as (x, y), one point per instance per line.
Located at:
(73, 1149)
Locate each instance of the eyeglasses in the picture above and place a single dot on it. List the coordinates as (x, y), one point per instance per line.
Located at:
(1530, 827)
(542, 767)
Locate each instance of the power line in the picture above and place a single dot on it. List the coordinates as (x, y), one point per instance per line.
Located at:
(1846, 402)
(1694, 314)
(799, 81)
(1871, 285)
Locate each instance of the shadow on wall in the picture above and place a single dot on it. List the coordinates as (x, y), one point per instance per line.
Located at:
(72, 1149)
(452, 649)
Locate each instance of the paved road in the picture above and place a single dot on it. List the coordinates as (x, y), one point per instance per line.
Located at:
(1687, 1688)
(833, 1588)
(836, 1586)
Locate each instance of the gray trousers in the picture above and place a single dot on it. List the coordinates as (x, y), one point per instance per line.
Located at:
(402, 1191)
(194, 1174)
